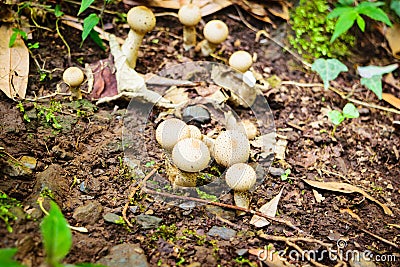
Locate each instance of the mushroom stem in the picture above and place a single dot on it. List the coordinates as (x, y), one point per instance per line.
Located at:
(76, 93)
(208, 48)
(189, 37)
(131, 47)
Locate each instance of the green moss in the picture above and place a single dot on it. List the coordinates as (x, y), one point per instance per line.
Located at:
(312, 31)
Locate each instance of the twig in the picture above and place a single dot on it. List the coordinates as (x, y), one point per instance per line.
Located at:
(282, 221)
(132, 194)
(372, 234)
(342, 95)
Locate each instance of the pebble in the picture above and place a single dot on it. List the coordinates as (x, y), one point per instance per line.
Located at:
(196, 113)
(112, 217)
(222, 232)
(29, 162)
(276, 172)
(148, 221)
(125, 255)
(241, 251)
(89, 213)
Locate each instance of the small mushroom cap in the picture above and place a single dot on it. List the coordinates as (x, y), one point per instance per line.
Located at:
(216, 31)
(241, 61)
(189, 15)
(170, 131)
(231, 147)
(240, 177)
(194, 132)
(191, 155)
(141, 19)
(73, 76)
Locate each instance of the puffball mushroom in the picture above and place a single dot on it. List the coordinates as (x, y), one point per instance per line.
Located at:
(215, 32)
(241, 177)
(189, 15)
(170, 131)
(241, 61)
(191, 155)
(231, 147)
(73, 76)
(141, 20)
(250, 129)
(194, 132)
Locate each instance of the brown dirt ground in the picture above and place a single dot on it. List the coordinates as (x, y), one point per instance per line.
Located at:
(364, 153)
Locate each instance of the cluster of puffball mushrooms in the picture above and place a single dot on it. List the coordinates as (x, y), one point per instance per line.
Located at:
(192, 152)
(141, 20)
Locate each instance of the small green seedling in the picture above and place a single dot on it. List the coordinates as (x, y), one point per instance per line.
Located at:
(15, 34)
(90, 22)
(6, 205)
(57, 240)
(347, 14)
(337, 117)
(285, 175)
(328, 69)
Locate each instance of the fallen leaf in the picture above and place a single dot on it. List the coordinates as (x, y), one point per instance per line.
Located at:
(268, 209)
(392, 100)
(280, 149)
(14, 65)
(318, 197)
(392, 35)
(389, 79)
(176, 95)
(280, 9)
(347, 189)
(104, 83)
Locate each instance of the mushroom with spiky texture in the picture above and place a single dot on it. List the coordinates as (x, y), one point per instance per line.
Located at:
(141, 20)
(191, 155)
(73, 76)
(241, 61)
(215, 32)
(241, 177)
(231, 147)
(170, 131)
(189, 15)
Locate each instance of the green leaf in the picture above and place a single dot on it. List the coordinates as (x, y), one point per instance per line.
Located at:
(336, 117)
(369, 71)
(96, 38)
(6, 258)
(57, 11)
(344, 23)
(13, 38)
(328, 69)
(57, 237)
(375, 13)
(346, 2)
(88, 24)
(361, 23)
(395, 6)
(374, 84)
(350, 111)
(84, 5)
(339, 11)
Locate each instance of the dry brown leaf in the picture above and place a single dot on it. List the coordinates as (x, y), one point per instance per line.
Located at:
(268, 209)
(392, 35)
(318, 197)
(281, 9)
(391, 99)
(389, 79)
(177, 95)
(347, 189)
(351, 213)
(14, 65)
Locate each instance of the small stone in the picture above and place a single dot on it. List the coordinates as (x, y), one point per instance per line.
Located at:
(363, 111)
(196, 113)
(389, 186)
(29, 162)
(98, 172)
(133, 209)
(276, 172)
(125, 255)
(148, 221)
(222, 232)
(89, 213)
(241, 251)
(187, 205)
(112, 218)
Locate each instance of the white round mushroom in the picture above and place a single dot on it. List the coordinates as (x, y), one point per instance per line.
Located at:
(191, 155)
(215, 32)
(189, 15)
(250, 129)
(241, 61)
(170, 131)
(240, 177)
(231, 147)
(194, 132)
(73, 76)
(141, 20)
